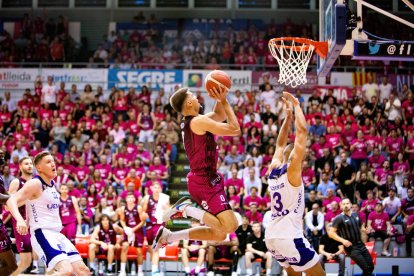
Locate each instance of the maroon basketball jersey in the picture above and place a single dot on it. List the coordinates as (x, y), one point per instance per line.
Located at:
(108, 236)
(152, 206)
(132, 218)
(67, 211)
(201, 150)
(22, 209)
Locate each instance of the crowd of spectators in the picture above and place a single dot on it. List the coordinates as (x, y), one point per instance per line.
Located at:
(38, 39)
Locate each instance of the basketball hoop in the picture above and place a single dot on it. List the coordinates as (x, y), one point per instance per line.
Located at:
(293, 55)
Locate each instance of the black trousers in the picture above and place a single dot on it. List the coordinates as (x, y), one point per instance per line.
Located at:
(360, 255)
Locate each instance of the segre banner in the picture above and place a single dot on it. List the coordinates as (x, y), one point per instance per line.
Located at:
(80, 77)
(240, 79)
(137, 78)
(17, 78)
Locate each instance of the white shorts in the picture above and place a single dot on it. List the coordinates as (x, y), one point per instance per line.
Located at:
(52, 247)
(295, 253)
(146, 136)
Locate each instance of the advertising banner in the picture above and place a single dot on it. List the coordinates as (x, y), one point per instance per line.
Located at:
(274, 76)
(124, 79)
(80, 77)
(384, 50)
(341, 93)
(239, 79)
(17, 78)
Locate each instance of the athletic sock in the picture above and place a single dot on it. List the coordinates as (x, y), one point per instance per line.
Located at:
(110, 267)
(194, 212)
(268, 272)
(123, 265)
(179, 235)
(139, 268)
(187, 269)
(34, 263)
(249, 271)
(197, 269)
(154, 268)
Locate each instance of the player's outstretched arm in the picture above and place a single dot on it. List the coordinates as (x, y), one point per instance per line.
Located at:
(282, 138)
(201, 124)
(31, 190)
(299, 148)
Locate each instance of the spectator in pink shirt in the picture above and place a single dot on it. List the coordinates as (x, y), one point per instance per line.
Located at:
(332, 213)
(104, 168)
(143, 154)
(97, 181)
(394, 144)
(253, 197)
(377, 159)
(236, 182)
(119, 172)
(401, 170)
(379, 226)
(308, 176)
(253, 214)
(368, 205)
(359, 151)
(318, 148)
(380, 177)
(160, 170)
(331, 198)
(233, 198)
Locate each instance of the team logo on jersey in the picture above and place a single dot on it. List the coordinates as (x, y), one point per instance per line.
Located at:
(204, 205)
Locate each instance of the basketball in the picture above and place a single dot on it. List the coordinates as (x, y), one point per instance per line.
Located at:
(216, 79)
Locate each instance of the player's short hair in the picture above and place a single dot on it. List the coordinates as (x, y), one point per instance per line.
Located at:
(40, 156)
(178, 98)
(24, 158)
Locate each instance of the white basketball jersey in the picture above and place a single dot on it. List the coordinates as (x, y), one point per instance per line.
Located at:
(43, 211)
(287, 206)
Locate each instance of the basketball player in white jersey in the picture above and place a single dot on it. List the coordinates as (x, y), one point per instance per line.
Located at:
(42, 203)
(23, 244)
(284, 234)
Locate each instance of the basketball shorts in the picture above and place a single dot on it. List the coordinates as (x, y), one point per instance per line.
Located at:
(295, 253)
(23, 243)
(138, 239)
(208, 192)
(152, 233)
(52, 247)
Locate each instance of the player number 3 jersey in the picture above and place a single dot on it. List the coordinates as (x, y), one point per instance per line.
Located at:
(287, 206)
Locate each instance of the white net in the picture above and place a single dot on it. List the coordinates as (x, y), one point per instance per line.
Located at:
(293, 59)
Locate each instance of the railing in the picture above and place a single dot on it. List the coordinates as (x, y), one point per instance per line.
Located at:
(407, 68)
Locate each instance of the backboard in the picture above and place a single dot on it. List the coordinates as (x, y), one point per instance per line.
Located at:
(332, 28)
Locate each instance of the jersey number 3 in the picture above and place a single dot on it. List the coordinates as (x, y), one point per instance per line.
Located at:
(277, 198)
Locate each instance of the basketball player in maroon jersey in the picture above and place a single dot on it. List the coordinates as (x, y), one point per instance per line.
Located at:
(23, 244)
(149, 206)
(103, 241)
(7, 258)
(69, 214)
(132, 218)
(205, 184)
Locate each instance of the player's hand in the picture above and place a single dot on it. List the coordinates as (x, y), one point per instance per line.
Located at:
(22, 228)
(347, 243)
(219, 94)
(329, 257)
(290, 98)
(289, 113)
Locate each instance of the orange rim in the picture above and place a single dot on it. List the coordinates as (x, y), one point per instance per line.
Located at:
(321, 48)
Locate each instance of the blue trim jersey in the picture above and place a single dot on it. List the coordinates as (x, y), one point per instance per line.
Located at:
(43, 212)
(287, 206)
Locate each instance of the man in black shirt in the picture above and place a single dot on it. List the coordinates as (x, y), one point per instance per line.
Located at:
(244, 231)
(256, 248)
(363, 186)
(346, 229)
(345, 174)
(311, 200)
(330, 249)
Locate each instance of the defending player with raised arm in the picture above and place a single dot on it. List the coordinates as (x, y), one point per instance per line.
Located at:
(7, 258)
(40, 194)
(22, 241)
(284, 234)
(205, 184)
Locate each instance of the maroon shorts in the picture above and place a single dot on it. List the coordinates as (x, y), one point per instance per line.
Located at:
(69, 230)
(5, 242)
(152, 232)
(23, 244)
(139, 238)
(208, 192)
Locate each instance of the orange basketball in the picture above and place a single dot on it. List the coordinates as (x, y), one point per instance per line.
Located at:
(216, 79)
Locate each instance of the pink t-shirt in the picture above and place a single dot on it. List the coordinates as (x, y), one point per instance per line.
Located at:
(370, 205)
(237, 183)
(381, 175)
(104, 170)
(120, 173)
(395, 144)
(68, 169)
(379, 221)
(160, 169)
(327, 202)
(248, 200)
(360, 150)
(254, 217)
(318, 148)
(410, 145)
(334, 139)
(331, 215)
(410, 220)
(404, 166)
(376, 161)
(82, 172)
(308, 175)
